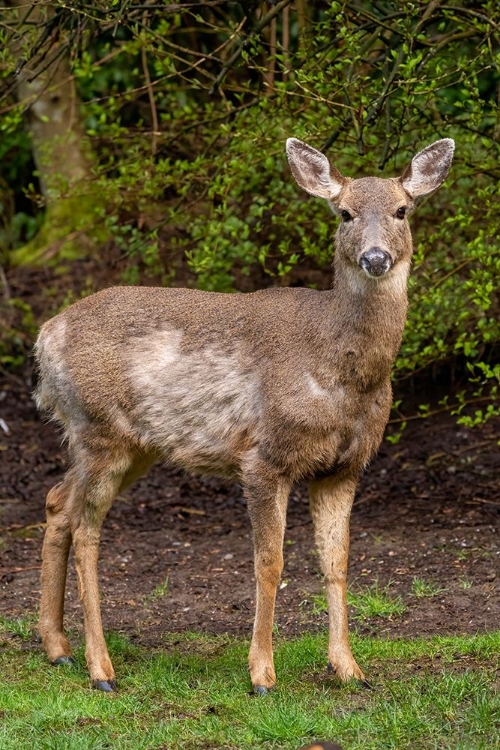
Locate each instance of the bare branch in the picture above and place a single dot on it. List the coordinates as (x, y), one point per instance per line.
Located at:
(151, 95)
(264, 21)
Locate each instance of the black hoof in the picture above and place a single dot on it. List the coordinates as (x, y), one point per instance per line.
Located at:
(63, 660)
(361, 683)
(365, 684)
(107, 686)
(260, 690)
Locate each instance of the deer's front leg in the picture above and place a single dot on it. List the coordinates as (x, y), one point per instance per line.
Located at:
(331, 502)
(267, 500)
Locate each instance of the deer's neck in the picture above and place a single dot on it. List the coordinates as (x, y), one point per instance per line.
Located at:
(366, 322)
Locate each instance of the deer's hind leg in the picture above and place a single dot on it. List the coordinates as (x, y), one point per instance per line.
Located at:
(55, 550)
(76, 511)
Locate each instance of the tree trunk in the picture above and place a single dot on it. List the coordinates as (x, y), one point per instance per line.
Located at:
(61, 151)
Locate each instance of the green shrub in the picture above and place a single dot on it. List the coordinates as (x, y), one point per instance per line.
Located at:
(370, 85)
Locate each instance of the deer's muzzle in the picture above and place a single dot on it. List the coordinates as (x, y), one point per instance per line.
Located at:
(375, 262)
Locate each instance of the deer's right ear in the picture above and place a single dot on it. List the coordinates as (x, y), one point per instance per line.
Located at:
(313, 171)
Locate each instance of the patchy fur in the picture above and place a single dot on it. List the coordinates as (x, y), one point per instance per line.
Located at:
(269, 388)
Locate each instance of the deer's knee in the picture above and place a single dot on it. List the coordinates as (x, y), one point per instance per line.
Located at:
(335, 577)
(56, 499)
(268, 568)
(58, 533)
(85, 538)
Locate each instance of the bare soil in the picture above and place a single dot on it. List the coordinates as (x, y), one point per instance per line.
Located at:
(177, 552)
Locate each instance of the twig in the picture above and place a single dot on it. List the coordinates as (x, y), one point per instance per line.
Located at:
(482, 501)
(271, 69)
(473, 447)
(375, 108)
(5, 284)
(10, 376)
(5, 571)
(264, 21)
(428, 12)
(20, 527)
(448, 408)
(286, 42)
(333, 137)
(471, 12)
(151, 96)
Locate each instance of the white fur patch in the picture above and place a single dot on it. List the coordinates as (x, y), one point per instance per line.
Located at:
(49, 351)
(397, 279)
(199, 409)
(315, 388)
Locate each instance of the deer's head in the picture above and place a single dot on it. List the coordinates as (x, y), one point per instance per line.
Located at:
(374, 234)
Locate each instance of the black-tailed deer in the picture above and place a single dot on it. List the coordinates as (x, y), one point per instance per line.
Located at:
(268, 388)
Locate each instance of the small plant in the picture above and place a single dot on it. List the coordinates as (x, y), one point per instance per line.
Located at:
(425, 589)
(371, 601)
(159, 591)
(21, 627)
(375, 602)
(284, 722)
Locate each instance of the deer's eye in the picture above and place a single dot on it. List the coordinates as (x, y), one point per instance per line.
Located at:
(346, 216)
(401, 212)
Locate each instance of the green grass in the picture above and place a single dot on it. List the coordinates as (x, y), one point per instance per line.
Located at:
(366, 602)
(160, 591)
(194, 693)
(423, 589)
(22, 627)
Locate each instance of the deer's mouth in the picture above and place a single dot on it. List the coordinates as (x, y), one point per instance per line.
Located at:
(375, 262)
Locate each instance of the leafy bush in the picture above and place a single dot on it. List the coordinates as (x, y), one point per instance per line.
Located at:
(188, 112)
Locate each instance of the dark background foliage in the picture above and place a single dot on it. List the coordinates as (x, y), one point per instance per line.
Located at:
(181, 112)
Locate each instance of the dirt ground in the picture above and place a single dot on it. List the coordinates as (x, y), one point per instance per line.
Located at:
(177, 552)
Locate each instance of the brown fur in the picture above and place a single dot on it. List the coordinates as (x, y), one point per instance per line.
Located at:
(270, 388)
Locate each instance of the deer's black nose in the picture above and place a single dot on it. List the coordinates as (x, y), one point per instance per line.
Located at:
(375, 262)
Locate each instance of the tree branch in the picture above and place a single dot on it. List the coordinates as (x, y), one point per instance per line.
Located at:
(264, 21)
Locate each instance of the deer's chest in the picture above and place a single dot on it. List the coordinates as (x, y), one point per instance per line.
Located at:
(321, 424)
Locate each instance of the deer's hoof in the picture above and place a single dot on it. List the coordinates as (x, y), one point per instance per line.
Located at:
(365, 684)
(63, 661)
(359, 681)
(260, 690)
(107, 686)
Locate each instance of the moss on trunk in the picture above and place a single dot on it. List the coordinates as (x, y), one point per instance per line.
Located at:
(70, 230)
(61, 150)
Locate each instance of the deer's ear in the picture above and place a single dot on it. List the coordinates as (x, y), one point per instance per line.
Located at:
(429, 168)
(313, 171)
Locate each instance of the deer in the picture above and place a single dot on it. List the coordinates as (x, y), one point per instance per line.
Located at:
(267, 388)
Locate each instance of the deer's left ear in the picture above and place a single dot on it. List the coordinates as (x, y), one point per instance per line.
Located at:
(429, 168)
